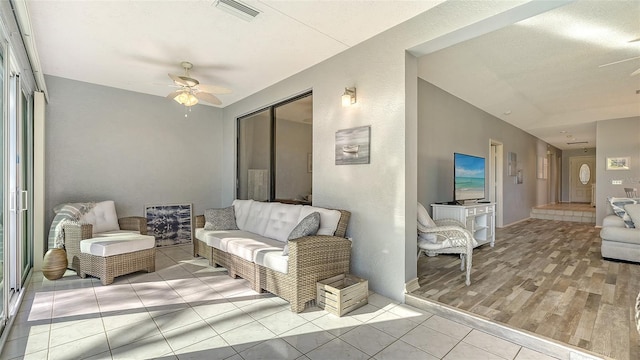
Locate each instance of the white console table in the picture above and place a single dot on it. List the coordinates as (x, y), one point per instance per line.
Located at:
(478, 218)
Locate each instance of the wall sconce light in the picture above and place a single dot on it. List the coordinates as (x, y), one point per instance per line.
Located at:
(349, 96)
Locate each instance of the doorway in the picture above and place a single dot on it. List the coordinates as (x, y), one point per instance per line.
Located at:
(495, 179)
(582, 176)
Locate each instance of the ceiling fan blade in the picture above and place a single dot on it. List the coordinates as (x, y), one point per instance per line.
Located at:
(210, 98)
(214, 89)
(174, 94)
(635, 72)
(178, 80)
(620, 61)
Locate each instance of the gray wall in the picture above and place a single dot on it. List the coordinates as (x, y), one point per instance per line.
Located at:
(566, 155)
(381, 195)
(616, 138)
(104, 143)
(448, 124)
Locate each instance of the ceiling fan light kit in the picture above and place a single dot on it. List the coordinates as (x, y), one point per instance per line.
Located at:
(186, 99)
(191, 91)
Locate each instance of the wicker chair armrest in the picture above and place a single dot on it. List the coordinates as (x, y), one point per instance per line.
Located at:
(448, 232)
(135, 223)
(449, 222)
(199, 221)
(317, 251)
(73, 234)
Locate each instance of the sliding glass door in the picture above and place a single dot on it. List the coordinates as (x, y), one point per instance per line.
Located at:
(3, 213)
(16, 227)
(275, 152)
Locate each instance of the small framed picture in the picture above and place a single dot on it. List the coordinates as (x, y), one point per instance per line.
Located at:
(618, 163)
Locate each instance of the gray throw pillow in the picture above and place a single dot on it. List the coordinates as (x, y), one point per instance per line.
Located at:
(306, 227)
(220, 219)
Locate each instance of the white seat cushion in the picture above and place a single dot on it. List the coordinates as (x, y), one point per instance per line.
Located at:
(220, 238)
(117, 244)
(242, 208)
(258, 217)
(246, 248)
(328, 219)
(272, 259)
(103, 217)
(283, 218)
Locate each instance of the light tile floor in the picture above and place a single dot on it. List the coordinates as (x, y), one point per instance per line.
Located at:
(189, 310)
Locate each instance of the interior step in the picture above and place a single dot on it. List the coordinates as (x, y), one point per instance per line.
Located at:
(557, 213)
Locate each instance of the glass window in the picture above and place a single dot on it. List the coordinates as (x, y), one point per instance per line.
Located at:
(584, 174)
(275, 152)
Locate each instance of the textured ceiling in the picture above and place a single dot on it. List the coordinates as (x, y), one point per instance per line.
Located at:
(544, 71)
(134, 44)
(543, 74)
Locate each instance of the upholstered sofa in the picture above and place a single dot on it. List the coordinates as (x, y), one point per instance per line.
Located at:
(252, 245)
(620, 231)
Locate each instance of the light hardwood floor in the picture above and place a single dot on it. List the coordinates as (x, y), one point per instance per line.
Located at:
(546, 277)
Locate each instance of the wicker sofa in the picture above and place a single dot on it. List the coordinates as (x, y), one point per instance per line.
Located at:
(249, 253)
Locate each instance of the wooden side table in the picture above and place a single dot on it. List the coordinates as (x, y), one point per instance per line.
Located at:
(54, 264)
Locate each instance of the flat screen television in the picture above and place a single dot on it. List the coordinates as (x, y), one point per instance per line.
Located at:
(469, 177)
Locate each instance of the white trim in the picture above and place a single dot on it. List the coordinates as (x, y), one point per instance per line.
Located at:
(38, 191)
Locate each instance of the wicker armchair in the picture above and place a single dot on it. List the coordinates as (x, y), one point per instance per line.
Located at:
(450, 238)
(74, 233)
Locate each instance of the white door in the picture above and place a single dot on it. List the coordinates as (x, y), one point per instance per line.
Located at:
(582, 173)
(495, 179)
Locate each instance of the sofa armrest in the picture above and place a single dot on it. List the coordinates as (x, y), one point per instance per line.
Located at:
(612, 221)
(199, 221)
(135, 223)
(315, 254)
(620, 234)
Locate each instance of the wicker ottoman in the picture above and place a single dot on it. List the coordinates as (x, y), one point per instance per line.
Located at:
(108, 257)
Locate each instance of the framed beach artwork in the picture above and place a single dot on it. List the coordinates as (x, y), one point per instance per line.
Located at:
(618, 163)
(169, 224)
(353, 146)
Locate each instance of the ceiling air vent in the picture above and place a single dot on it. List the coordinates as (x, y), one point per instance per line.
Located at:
(243, 11)
(577, 142)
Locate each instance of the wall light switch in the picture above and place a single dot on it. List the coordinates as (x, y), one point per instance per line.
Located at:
(616, 182)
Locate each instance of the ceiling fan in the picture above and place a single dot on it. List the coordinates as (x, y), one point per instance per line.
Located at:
(625, 60)
(191, 91)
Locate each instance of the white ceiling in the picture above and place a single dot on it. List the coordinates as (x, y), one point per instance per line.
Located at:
(542, 74)
(543, 70)
(134, 44)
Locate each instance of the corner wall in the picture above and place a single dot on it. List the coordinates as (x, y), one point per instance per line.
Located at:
(616, 138)
(381, 195)
(448, 124)
(104, 143)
